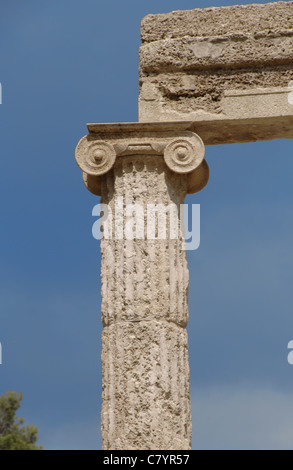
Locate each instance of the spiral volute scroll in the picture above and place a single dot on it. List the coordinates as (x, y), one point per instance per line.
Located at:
(95, 158)
(184, 154)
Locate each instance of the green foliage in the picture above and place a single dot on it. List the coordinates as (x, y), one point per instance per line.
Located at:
(13, 434)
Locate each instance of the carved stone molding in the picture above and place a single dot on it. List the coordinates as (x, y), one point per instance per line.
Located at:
(182, 149)
(95, 158)
(184, 155)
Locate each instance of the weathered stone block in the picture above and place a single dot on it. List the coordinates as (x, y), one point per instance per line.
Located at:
(146, 401)
(220, 64)
(217, 21)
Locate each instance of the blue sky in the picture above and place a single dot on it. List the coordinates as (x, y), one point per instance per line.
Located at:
(70, 62)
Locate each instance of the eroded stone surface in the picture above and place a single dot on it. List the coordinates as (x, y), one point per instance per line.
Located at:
(190, 59)
(231, 51)
(146, 403)
(182, 149)
(215, 21)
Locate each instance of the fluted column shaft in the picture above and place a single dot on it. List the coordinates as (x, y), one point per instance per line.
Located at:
(142, 171)
(146, 402)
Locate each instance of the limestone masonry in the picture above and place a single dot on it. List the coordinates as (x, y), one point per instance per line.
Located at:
(220, 64)
(146, 403)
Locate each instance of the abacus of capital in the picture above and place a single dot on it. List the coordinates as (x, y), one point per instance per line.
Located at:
(207, 76)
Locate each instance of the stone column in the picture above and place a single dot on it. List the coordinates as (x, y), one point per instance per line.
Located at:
(146, 400)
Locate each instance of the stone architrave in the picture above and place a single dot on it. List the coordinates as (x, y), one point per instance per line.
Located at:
(227, 69)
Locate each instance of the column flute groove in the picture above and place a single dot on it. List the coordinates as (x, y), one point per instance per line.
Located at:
(145, 173)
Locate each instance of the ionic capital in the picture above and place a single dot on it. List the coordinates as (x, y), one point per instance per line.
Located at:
(183, 150)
